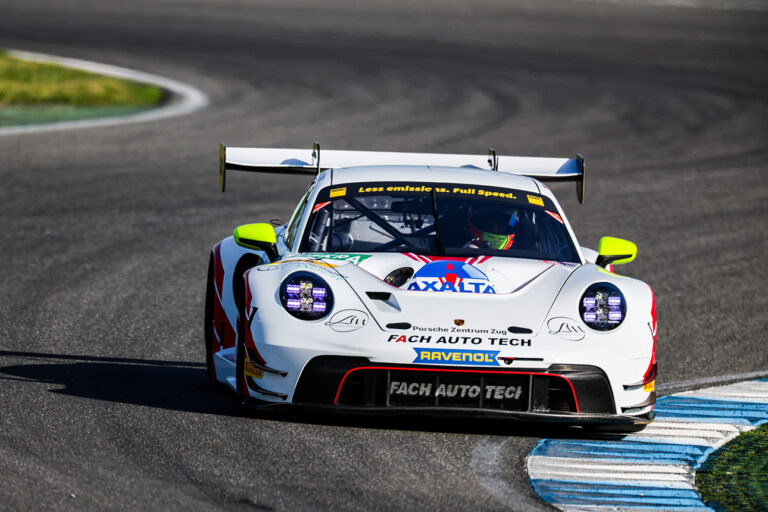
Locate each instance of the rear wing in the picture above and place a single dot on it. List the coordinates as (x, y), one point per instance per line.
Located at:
(302, 161)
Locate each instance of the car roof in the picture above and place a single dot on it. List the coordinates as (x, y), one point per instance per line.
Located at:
(464, 175)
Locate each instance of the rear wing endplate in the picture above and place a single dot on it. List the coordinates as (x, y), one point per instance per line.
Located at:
(301, 161)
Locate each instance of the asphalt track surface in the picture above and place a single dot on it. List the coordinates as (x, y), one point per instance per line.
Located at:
(106, 232)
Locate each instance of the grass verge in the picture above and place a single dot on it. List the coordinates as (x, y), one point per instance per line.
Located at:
(35, 92)
(735, 477)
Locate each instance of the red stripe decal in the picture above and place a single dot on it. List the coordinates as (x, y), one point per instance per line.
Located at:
(555, 216)
(650, 373)
(250, 344)
(224, 331)
(318, 206)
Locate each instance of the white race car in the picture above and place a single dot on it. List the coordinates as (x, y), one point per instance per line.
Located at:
(413, 283)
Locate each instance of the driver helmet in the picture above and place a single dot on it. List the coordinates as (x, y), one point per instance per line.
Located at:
(494, 228)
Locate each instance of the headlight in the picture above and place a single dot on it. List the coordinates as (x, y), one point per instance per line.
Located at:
(306, 296)
(602, 307)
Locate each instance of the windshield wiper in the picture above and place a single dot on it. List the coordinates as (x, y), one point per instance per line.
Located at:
(440, 248)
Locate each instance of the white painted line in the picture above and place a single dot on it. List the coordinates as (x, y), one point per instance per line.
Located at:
(191, 98)
(591, 470)
(744, 391)
(654, 468)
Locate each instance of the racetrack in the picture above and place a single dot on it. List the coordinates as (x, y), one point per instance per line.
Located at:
(106, 232)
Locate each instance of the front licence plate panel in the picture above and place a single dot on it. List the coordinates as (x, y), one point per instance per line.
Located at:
(438, 389)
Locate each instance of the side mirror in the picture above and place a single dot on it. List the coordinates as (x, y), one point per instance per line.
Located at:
(615, 251)
(260, 236)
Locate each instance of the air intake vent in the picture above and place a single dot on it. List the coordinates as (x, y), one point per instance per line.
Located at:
(399, 277)
(379, 295)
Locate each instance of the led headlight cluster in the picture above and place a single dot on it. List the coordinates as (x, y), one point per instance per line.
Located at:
(602, 307)
(306, 296)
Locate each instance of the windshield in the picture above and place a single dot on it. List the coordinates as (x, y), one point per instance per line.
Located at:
(437, 219)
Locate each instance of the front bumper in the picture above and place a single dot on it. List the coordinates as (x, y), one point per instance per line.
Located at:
(572, 394)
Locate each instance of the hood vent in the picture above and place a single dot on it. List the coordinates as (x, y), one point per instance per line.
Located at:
(399, 277)
(379, 295)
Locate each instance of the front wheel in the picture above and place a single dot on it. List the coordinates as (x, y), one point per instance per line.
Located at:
(242, 384)
(210, 294)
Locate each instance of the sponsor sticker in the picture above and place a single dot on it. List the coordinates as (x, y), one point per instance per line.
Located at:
(348, 320)
(458, 340)
(459, 357)
(351, 258)
(428, 389)
(338, 192)
(460, 190)
(252, 371)
(565, 328)
(450, 276)
(297, 260)
(509, 393)
(268, 266)
(535, 200)
(496, 193)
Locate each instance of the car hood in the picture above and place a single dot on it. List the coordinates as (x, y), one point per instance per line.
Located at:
(474, 294)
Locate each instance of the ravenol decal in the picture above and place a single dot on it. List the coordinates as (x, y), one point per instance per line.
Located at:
(338, 192)
(461, 357)
(450, 276)
(352, 258)
(535, 200)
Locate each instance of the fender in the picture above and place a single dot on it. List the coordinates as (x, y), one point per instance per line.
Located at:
(230, 262)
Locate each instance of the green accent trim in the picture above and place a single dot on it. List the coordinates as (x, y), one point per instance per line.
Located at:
(259, 236)
(350, 257)
(611, 247)
(261, 232)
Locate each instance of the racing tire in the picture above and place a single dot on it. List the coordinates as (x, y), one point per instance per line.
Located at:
(208, 327)
(243, 395)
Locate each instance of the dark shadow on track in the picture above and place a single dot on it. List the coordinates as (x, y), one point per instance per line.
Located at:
(183, 386)
(173, 385)
(472, 426)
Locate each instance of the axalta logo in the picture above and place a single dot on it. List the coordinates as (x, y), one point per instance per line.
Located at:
(450, 276)
(462, 357)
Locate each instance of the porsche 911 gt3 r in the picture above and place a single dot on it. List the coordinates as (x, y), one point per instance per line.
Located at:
(429, 284)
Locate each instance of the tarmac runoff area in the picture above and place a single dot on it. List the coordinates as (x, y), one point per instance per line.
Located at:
(188, 98)
(654, 469)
